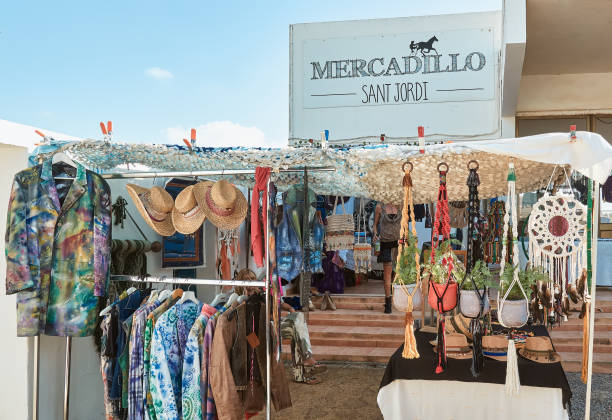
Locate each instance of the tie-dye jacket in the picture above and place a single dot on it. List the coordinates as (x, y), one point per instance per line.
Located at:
(57, 255)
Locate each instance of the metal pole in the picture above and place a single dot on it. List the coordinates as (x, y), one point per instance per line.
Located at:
(305, 275)
(180, 280)
(172, 174)
(595, 224)
(67, 378)
(268, 340)
(248, 229)
(36, 377)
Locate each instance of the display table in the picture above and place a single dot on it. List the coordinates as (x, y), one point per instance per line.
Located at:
(411, 390)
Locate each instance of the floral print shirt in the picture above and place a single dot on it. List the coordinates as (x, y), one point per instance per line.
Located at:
(167, 351)
(192, 397)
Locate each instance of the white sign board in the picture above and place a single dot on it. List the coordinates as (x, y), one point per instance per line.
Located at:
(360, 79)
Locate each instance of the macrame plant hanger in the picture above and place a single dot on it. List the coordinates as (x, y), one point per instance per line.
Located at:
(557, 243)
(410, 348)
(441, 226)
(512, 377)
(476, 324)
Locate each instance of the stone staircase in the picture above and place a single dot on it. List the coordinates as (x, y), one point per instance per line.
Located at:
(358, 331)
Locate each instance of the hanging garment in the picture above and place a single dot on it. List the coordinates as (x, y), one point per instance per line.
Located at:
(288, 250)
(112, 407)
(167, 351)
(259, 226)
(148, 337)
(57, 251)
(209, 409)
(136, 395)
(316, 250)
(192, 369)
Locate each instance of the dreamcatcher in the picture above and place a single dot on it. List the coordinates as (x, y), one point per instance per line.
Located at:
(442, 296)
(362, 250)
(557, 243)
(408, 269)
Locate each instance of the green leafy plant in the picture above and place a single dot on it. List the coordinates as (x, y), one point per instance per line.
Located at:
(527, 278)
(481, 276)
(406, 271)
(437, 271)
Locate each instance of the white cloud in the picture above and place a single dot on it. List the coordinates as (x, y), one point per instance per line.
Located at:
(222, 134)
(159, 73)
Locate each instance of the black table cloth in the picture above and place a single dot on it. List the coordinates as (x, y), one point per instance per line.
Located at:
(550, 375)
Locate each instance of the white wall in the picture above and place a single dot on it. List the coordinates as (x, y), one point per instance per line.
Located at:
(14, 351)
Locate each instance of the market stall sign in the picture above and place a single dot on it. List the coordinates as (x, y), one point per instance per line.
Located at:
(399, 69)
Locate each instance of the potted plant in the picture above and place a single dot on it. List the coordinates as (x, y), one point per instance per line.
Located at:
(473, 288)
(513, 304)
(437, 273)
(406, 275)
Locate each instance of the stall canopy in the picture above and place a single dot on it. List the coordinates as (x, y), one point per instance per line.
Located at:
(370, 171)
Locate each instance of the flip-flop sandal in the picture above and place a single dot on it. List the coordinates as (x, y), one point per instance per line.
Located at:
(316, 368)
(311, 381)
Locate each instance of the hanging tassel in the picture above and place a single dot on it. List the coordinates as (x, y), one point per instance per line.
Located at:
(441, 354)
(513, 382)
(585, 342)
(410, 348)
(477, 356)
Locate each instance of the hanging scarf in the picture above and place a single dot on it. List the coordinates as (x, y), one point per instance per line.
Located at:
(258, 234)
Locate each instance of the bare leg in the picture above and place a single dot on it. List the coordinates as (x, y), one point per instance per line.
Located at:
(387, 271)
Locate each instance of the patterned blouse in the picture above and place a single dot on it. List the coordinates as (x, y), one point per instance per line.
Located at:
(192, 401)
(167, 351)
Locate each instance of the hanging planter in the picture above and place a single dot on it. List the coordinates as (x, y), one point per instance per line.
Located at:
(474, 291)
(513, 306)
(443, 297)
(400, 296)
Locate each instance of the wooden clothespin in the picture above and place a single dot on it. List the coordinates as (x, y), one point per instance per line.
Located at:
(382, 138)
(324, 139)
(45, 139)
(421, 139)
(572, 133)
(191, 144)
(107, 130)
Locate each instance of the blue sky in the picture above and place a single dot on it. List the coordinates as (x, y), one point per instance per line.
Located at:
(157, 68)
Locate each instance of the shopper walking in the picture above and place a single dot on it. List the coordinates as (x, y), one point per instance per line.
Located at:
(388, 216)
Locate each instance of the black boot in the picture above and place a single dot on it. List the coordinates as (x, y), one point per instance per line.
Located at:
(388, 304)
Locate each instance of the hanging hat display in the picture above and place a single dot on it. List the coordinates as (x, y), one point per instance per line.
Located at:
(539, 349)
(223, 204)
(187, 215)
(155, 206)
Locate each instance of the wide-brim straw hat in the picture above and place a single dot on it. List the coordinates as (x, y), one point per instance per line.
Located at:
(187, 215)
(155, 206)
(460, 324)
(539, 349)
(495, 347)
(223, 204)
(456, 346)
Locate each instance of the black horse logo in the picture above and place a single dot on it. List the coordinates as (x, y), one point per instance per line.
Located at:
(423, 47)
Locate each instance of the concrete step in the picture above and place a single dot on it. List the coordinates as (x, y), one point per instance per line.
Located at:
(358, 314)
(340, 342)
(355, 332)
(577, 348)
(577, 367)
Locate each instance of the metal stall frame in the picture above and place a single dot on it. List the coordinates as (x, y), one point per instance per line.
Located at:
(171, 280)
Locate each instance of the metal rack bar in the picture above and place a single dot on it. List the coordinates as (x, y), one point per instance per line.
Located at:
(36, 377)
(268, 338)
(67, 379)
(180, 280)
(124, 175)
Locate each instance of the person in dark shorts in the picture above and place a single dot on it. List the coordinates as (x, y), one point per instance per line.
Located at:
(387, 224)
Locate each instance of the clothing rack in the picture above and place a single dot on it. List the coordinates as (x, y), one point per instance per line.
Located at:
(266, 284)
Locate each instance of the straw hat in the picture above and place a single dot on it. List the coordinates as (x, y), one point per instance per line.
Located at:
(224, 205)
(155, 206)
(187, 215)
(540, 350)
(495, 347)
(460, 324)
(456, 346)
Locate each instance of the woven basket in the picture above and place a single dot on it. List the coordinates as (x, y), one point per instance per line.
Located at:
(340, 232)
